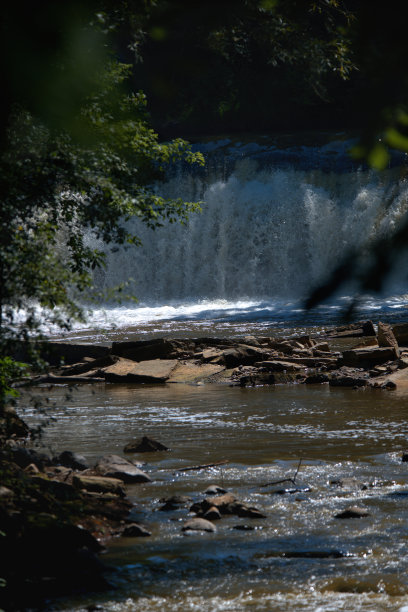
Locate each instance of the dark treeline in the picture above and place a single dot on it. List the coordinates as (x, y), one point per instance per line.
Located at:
(252, 65)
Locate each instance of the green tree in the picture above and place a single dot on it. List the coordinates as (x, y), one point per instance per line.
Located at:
(69, 174)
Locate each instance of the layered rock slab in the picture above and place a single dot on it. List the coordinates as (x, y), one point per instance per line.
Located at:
(149, 371)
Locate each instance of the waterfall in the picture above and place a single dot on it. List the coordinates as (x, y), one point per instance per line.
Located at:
(275, 221)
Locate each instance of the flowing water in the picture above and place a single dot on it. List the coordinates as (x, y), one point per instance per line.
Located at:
(276, 219)
(299, 556)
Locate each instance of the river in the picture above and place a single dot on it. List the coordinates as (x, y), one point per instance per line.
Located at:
(275, 222)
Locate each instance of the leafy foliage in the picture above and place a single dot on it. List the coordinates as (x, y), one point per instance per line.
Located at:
(59, 192)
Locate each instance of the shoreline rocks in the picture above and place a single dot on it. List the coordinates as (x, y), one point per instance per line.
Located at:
(245, 362)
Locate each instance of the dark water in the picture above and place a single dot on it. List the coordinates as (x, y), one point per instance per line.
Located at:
(298, 558)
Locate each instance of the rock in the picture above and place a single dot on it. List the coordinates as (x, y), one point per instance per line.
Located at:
(6, 493)
(244, 527)
(353, 330)
(368, 357)
(214, 490)
(277, 365)
(198, 524)
(242, 354)
(251, 340)
(24, 456)
(404, 456)
(212, 514)
(65, 380)
(369, 341)
(245, 511)
(90, 365)
(222, 502)
(352, 512)
(155, 371)
(31, 469)
(158, 348)
(135, 531)
(337, 380)
(56, 353)
(316, 379)
(99, 484)
(118, 467)
(210, 353)
(60, 490)
(192, 372)
(322, 347)
(174, 502)
(71, 460)
(386, 336)
(400, 332)
(396, 380)
(144, 445)
(313, 554)
(349, 483)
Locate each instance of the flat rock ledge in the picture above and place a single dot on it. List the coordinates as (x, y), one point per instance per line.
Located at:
(369, 358)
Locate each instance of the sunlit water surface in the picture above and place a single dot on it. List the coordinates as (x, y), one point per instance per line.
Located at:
(298, 558)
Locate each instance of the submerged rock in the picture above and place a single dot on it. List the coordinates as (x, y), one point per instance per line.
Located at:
(214, 490)
(352, 512)
(144, 445)
(135, 531)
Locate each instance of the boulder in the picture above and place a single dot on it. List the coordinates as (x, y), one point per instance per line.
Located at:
(198, 524)
(368, 357)
(71, 460)
(135, 531)
(155, 371)
(99, 484)
(118, 467)
(144, 445)
(400, 332)
(386, 336)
